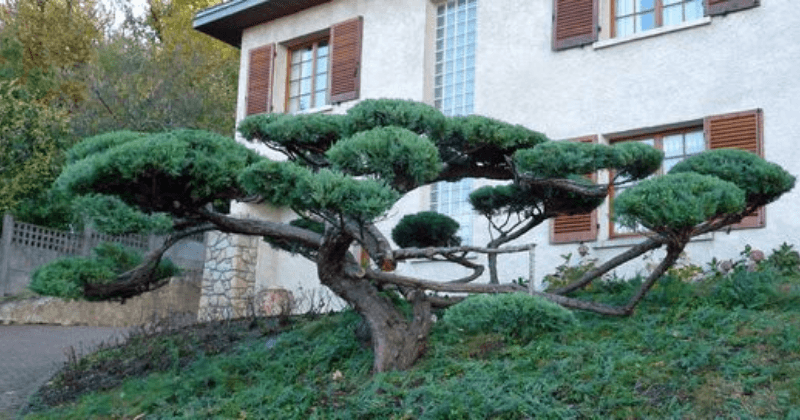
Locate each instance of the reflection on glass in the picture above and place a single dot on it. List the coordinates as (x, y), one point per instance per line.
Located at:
(694, 10)
(673, 15)
(645, 21)
(320, 98)
(624, 7)
(673, 145)
(624, 26)
(645, 5)
(695, 142)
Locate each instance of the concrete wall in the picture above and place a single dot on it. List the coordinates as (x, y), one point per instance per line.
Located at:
(737, 62)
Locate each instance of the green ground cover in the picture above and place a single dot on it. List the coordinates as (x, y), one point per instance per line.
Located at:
(724, 347)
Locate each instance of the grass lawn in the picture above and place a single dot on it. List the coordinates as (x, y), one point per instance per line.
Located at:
(722, 348)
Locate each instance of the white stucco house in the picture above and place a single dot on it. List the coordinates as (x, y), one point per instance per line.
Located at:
(681, 75)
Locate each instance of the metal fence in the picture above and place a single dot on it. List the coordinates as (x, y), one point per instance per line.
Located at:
(24, 247)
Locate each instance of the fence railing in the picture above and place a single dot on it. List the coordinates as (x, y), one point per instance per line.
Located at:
(25, 246)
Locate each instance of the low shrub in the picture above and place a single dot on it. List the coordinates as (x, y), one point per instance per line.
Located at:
(516, 315)
(66, 277)
(426, 229)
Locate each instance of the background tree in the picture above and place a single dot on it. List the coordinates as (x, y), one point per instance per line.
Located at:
(156, 73)
(345, 171)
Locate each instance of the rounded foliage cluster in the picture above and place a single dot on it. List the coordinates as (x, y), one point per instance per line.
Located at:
(160, 172)
(320, 130)
(485, 140)
(762, 181)
(289, 184)
(677, 201)
(426, 229)
(557, 159)
(493, 200)
(66, 277)
(516, 315)
(417, 117)
(397, 155)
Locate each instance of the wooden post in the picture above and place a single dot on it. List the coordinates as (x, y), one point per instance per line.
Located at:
(532, 268)
(5, 255)
(86, 246)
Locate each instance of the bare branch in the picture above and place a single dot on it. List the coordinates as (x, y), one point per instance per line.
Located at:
(408, 253)
(141, 278)
(591, 275)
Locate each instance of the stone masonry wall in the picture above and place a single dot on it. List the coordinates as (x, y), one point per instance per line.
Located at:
(229, 276)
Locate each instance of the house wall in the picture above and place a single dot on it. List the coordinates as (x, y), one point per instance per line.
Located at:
(716, 65)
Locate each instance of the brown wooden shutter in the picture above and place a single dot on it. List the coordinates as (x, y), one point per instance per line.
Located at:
(719, 7)
(578, 227)
(346, 60)
(741, 130)
(259, 80)
(574, 23)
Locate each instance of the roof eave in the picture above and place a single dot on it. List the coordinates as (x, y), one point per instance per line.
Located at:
(227, 21)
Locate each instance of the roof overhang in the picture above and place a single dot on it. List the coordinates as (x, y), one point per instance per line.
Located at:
(228, 20)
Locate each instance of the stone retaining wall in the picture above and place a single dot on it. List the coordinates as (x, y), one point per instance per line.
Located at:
(177, 299)
(229, 277)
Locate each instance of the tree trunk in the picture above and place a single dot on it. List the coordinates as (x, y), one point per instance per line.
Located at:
(397, 342)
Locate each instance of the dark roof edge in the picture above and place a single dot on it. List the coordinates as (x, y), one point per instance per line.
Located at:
(227, 21)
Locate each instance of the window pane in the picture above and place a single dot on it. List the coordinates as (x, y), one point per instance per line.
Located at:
(307, 54)
(669, 163)
(322, 65)
(305, 102)
(322, 49)
(695, 143)
(694, 10)
(645, 5)
(624, 26)
(321, 82)
(668, 2)
(294, 89)
(305, 85)
(320, 98)
(645, 21)
(294, 105)
(673, 146)
(297, 56)
(673, 15)
(305, 68)
(295, 72)
(624, 7)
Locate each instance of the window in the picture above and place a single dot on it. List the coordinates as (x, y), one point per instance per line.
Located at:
(676, 145)
(577, 22)
(454, 78)
(308, 76)
(323, 68)
(454, 87)
(740, 130)
(452, 199)
(634, 16)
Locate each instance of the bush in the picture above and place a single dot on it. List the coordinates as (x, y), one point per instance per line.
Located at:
(66, 277)
(515, 315)
(425, 229)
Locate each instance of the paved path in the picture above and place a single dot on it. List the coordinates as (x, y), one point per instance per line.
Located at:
(31, 354)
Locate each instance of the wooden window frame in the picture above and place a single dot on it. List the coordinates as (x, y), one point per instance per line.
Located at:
(658, 12)
(296, 46)
(658, 143)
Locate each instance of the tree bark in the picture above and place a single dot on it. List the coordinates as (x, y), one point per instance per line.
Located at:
(397, 342)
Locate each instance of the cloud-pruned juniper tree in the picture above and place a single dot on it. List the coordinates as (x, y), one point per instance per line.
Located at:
(344, 172)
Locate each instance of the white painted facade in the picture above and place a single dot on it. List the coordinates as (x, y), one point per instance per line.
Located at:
(669, 76)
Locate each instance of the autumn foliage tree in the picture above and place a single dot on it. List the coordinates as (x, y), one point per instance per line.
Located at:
(344, 172)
